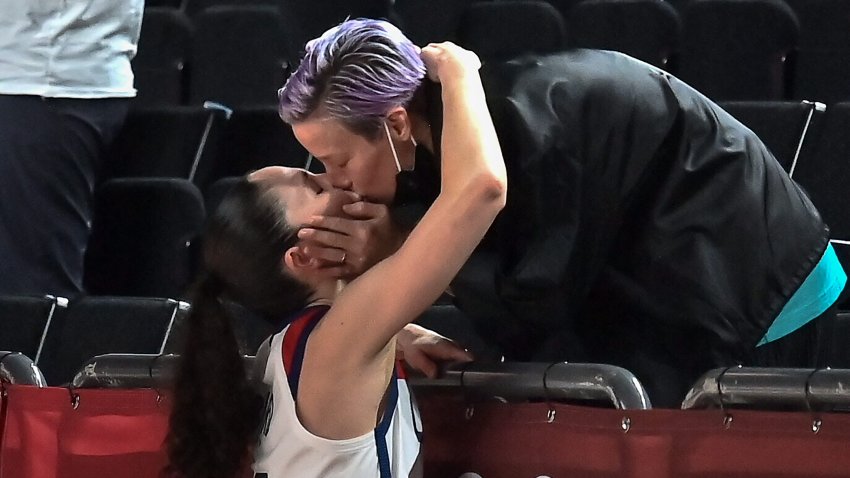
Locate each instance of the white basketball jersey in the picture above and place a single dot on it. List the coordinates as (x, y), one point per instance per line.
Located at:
(287, 449)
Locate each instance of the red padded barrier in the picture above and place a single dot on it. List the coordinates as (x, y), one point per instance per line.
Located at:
(517, 441)
(120, 433)
(110, 433)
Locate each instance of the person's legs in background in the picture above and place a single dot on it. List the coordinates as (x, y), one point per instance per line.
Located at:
(50, 153)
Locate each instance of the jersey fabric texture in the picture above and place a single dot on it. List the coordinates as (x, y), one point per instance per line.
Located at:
(287, 449)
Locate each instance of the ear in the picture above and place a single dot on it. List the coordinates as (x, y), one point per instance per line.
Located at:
(297, 262)
(398, 120)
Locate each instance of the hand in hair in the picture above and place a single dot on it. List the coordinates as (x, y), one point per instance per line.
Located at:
(367, 237)
(448, 61)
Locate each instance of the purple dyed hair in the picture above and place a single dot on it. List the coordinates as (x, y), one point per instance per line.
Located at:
(355, 72)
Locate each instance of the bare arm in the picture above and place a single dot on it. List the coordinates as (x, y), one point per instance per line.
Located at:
(374, 307)
(356, 335)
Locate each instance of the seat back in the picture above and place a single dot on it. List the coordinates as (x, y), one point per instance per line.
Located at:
(24, 320)
(255, 138)
(498, 30)
(648, 30)
(783, 126)
(159, 66)
(142, 237)
(736, 49)
(95, 325)
(822, 67)
(239, 56)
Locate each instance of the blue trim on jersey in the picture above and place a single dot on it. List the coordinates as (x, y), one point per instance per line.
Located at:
(383, 427)
(816, 294)
(298, 360)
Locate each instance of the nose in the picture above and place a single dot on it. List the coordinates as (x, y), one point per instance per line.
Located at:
(335, 177)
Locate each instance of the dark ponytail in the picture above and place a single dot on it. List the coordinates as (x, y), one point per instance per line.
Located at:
(215, 411)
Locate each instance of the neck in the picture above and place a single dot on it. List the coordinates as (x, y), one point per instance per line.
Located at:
(326, 293)
(421, 131)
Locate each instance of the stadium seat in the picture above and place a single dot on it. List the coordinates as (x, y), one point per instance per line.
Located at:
(159, 65)
(782, 125)
(239, 56)
(736, 49)
(24, 319)
(648, 30)
(255, 138)
(824, 169)
(564, 7)
(192, 7)
(305, 20)
(822, 66)
(95, 325)
(431, 21)
(142, 237)
(503, 29)
(167, 142)
(164, 3)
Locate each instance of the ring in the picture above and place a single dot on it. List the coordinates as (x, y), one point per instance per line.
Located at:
(343, 257)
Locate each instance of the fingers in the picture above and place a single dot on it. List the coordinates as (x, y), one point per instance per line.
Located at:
(447, 350)
(365, 210)
(444, 60)
(327, 255)
(331, 224)
(419, 361)
(324, 239)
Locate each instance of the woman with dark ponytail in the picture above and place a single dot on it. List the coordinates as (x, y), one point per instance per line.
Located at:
(337, 404)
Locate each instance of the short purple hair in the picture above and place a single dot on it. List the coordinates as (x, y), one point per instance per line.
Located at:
(355, 72)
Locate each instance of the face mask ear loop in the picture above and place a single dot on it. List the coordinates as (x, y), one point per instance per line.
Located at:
(392, 146)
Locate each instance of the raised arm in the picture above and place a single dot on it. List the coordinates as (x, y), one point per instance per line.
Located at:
(374, 307)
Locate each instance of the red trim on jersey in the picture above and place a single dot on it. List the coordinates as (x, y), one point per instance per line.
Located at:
(400, 371)
(293, 334)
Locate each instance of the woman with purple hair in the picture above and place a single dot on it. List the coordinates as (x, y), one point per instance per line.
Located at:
(645, 228)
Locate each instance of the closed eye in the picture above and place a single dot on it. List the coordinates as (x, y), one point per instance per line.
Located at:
(311, 183)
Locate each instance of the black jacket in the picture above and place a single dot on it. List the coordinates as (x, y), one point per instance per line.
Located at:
(645, 226)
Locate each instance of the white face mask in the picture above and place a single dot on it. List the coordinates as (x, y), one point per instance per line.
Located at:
(392, 148)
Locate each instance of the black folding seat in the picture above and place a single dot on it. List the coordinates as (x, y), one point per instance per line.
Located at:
(239, 56)
(143, 233)
(499, 30)
(249, 328)
(565, 7)
(736, 49)
(837, 342)
(431, 21)
(164, 3)
(448, 320)
(824, 172)
(159, 65)
(824, 169)
(255, 138)
(192, 7)
(648, 30)
(97, 325)
(307, 19)
(170, 141)
(822, 66)
(24, 319)
(782, 125)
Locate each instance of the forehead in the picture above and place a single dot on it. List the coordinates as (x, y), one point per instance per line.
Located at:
(326, 136)
(274, 174)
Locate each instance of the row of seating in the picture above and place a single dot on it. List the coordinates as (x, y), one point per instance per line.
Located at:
(150, 252)
(60, 336)
(729, 49)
